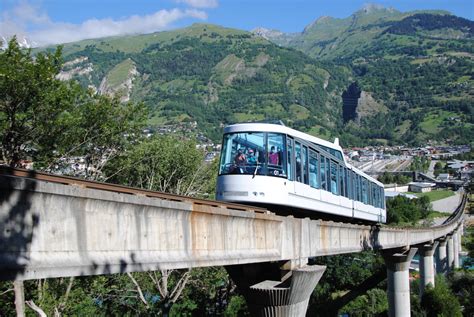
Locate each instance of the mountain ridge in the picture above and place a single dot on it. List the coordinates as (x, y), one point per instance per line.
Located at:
(214, 75)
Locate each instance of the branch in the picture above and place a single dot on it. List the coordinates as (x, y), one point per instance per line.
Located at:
(180, 286)
(140, 293)
(8, 290)
(38, 310)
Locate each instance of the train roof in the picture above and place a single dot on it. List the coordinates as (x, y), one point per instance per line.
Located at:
(280, 128)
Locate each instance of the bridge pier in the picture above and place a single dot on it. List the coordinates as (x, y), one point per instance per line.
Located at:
(441, 259)
(398, 280)
(427, 274)
(270, 289)
(450, 250)
(456, 244)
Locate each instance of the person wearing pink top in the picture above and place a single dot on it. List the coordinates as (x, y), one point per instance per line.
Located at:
(273, 156)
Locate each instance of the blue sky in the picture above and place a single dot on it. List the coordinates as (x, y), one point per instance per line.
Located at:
(58, 21)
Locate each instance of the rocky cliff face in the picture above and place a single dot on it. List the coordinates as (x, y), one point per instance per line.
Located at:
(79, 66)
(358, 104)
(119, 81)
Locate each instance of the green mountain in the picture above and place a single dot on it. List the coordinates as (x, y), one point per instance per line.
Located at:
(415, 67)
(208, 76)
(378, 76)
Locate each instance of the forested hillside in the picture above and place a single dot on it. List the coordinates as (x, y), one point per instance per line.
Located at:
(406, 78)
(417, 65)
(212, 76)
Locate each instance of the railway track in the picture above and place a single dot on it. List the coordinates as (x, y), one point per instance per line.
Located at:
(74, 181)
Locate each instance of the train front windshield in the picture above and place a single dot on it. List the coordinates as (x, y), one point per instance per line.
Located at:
(254, 153)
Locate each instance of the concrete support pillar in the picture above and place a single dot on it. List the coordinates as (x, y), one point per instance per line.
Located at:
(450, 249)
(398, 288)
(441, 259)
(270, 291)
(427, 273)
(456, 249)
(460, 234)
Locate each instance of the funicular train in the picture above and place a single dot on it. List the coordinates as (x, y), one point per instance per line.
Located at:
(273, 165)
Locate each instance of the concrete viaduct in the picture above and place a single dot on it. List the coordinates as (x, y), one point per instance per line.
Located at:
(53, 229)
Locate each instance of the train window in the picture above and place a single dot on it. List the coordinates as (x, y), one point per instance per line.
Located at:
(328, 174)
(276, 157)
(382, 193)
(289, 146)
(242, 153)
(298, 162)
(349, 183)
(246, 153)
(323, 173)
(334, 178)
(364, 191)
(305, 165)
(341, 181)
(359, 188)
(369, 193)
(313, 169)
(379, 195)
(374, 195)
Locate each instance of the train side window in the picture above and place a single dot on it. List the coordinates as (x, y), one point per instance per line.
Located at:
(313, 169)
(305, 165)
(382, 193)
(379, 200)
(323, 173)
(349, 187)
(341, 181)
(359, 188)
(290, 160)
(353, 187)
(328, 174)
(334, 178)
(371, 193)
(377, 196)
(298, 162)
(276, 157)
(364, 191)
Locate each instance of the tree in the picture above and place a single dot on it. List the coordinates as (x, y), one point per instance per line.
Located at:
(462, 285)
(49, 120)
(440, 301)
(165, 164)
(100, 128)
(32, 104)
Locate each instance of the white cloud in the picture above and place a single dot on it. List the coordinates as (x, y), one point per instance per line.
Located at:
(200, 3)
(44, 31)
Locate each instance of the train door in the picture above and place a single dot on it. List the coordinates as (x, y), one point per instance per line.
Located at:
(301, 169)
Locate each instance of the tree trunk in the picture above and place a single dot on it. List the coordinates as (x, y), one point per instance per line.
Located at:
(166, 307)
(19, 298)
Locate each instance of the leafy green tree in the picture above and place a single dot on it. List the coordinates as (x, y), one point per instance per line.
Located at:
(462, 285)
(165, 164)
(49, 120)
(374, 303)
(440, 301)
(33, 103)
(402, 210)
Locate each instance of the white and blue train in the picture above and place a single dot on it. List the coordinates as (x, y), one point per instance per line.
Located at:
(275, 166)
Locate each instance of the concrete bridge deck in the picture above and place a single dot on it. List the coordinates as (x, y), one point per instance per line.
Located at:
(49, 229)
